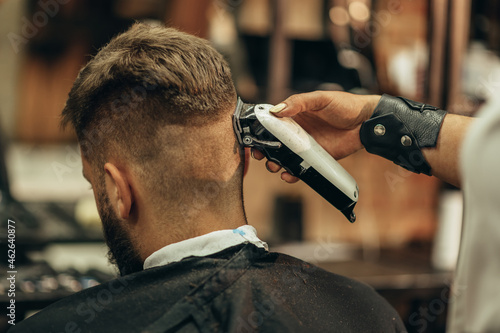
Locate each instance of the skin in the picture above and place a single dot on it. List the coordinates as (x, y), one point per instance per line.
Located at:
(132, 227)
(334, 120)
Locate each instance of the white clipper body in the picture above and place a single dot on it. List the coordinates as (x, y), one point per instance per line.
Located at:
(284, 142)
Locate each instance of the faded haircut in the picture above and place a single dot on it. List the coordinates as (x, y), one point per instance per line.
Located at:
(142, 80)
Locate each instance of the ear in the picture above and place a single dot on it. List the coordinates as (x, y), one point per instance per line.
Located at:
(119, 191)
(247, 161)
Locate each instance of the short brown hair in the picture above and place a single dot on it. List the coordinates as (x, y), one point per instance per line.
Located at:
(144, 79)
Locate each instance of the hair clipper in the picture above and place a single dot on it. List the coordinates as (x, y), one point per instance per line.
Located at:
(284, 142)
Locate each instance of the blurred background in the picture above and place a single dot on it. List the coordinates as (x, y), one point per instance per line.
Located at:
(405, 241)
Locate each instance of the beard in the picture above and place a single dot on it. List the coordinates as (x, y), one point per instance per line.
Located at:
(121, 252)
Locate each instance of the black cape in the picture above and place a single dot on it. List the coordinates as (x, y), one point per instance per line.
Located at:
(241, 289)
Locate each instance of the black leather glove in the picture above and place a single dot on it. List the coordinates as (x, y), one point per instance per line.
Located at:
(399, 128)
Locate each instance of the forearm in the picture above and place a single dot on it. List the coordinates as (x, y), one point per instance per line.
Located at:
(444, 158)
(416, 136)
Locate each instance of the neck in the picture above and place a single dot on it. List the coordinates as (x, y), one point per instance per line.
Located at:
(152, 233)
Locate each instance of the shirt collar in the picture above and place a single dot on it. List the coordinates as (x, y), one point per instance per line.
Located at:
(204, 245)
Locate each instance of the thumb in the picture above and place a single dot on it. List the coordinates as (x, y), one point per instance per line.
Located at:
(282, 110)
(295, 104)
(290, 106)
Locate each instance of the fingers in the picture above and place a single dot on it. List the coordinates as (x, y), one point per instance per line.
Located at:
(257, 154)
(312, 101)
(270, 166)
(289, 178)
(273, 167)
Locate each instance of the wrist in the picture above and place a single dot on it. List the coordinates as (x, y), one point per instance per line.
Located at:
(399, 128)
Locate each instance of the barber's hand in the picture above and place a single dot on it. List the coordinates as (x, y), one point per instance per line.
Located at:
(333, 118)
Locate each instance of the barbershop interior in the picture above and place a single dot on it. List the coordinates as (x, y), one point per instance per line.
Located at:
(405, 241)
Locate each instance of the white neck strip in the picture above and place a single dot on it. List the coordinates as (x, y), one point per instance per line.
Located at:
(204, 245)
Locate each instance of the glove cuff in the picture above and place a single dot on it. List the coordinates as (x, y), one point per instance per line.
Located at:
(399, 128)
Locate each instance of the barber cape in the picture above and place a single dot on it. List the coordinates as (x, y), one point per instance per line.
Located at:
(241, 287)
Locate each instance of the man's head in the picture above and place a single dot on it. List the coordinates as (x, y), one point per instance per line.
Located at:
(152, 112)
